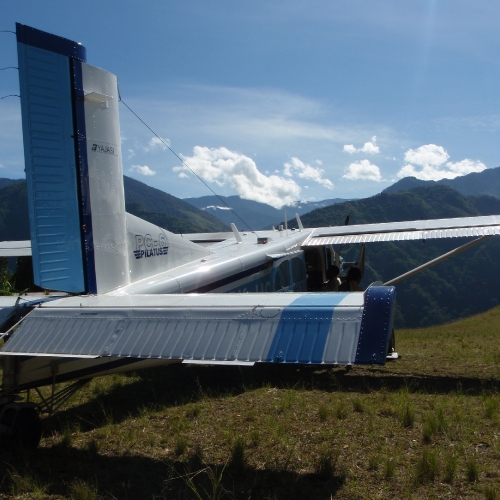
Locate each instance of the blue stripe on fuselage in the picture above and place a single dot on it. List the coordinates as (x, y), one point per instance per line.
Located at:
(303, 329)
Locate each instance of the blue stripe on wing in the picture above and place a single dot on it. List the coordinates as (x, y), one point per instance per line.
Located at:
(303, 328)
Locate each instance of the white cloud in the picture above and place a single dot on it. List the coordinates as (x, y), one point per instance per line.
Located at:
(183, 175)
(143, 170)
(223, 166)
(466, 166)
(155, 143)
(131, 154)
(428, 155)
(362, 171)
(434, 164)
(305, 171)
(369, 147)
(349, 148)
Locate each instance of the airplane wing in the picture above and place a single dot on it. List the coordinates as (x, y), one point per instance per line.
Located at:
(406, 231)
(15, 248)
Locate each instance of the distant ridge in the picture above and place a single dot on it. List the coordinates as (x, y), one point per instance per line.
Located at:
(256, 215)
(9, 182)
(478, 183)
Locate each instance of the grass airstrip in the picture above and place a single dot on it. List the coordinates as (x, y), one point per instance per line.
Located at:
(425, 426)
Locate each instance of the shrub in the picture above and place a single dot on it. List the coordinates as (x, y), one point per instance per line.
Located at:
(238, 455)
(407, 415)
(357, 405)
(427, 467)
(326, 464)
(389, 469)
(472, 470)
(180, 445)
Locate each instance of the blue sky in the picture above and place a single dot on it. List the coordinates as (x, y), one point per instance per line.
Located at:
(283, 100)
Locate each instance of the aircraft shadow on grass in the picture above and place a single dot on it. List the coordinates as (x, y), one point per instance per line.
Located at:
(180, 384)
(141, 477)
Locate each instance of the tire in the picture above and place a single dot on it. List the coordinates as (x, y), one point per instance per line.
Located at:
(26, 429)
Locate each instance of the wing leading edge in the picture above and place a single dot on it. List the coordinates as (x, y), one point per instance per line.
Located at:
(406, 231)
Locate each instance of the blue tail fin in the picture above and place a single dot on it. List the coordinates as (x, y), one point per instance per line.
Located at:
(73, 166)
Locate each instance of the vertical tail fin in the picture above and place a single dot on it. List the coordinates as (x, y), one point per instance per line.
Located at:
(73, 166)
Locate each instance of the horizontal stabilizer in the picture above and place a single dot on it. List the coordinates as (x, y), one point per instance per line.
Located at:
(323, 328)
(15, 248)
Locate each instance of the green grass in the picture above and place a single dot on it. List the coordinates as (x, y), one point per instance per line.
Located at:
(426, 426)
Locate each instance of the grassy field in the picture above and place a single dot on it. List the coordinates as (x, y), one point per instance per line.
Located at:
(425, 426)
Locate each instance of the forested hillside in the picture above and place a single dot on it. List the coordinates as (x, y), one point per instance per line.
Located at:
(166, 210)
(461, 286)
(477, 183)
(14, 219)
(143, 201)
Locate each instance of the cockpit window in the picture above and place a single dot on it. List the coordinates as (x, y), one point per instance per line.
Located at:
(351, 256)
(282, 279)
(298, 269)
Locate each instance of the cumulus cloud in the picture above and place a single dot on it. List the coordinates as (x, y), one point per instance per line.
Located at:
(369, 147)
(349, 148)
(155, 144)
(428, 155)
(362, 171)
(432, 164)
(466, 166)
(222, 166)
(143, 170)
(306, 171)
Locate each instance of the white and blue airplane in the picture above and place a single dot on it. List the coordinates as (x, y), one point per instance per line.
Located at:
(133, 295)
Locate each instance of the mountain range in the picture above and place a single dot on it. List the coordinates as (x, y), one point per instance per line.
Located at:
(252, 215)
(485, 182)
(459, 287)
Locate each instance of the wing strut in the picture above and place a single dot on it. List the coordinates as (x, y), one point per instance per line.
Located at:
(299, 222)
(435, 261)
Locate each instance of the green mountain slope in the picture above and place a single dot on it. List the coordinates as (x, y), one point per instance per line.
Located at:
(14, 219)
(180, 216)
(458, 287)
(143, 201)
(9, 182)
(486, 182)
(422, 202)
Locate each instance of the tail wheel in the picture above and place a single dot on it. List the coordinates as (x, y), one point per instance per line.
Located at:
(25, 427)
